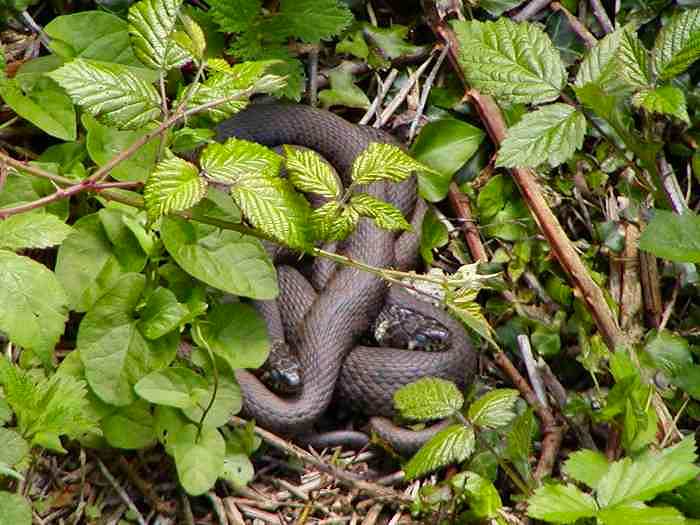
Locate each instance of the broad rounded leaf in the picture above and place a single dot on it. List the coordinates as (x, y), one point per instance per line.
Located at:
(451, 445)
(677, 44)
(162, 314)
(238, 469)
(15, 509)
(32, 230)
(561, 504)
(200, 461)
(131, 427)
(494, 409)
(228, 401)
(151, 24)
(175, 185)
(669, 352)
(172, 387)
(673, 237)
(428, 398)
(15, 449)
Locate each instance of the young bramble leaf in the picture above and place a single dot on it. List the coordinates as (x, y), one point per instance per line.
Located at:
(484, 500)
(633, 60)
(513, 61)
(673, 237)
(600, 64)
(494, 409)
(428, 398)
(151, 25)
(111, 94)
(234, 17)
(238, 76)
(551, 134)
(384, 162)
(384, 214)
(451, 445)
(333, 222)
(677, 44)
(174, 185)
(640, 514)
(230, 162)
(666, 100)
(198, 42)
(587, 466)
(310, 173)
(32, 230)
(561, 504)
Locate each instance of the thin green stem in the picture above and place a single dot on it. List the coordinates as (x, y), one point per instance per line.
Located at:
(200, 339)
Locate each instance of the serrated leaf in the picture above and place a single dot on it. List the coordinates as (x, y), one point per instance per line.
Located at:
(343, 91)
(384, 162)
(386, 215)
(516, 62)
(561, 504)
(677, 44)
(151, 24)
(232, 161)
(234, 17)
(641, 514)
(428, 398)
(587, 466)
(32, 230)
(451, 445)
(551, 134)
(599, 65)
(174, 185)
(310, 173)
(666, 100)
(673, 237)
(34, 308)
(333, 222)
(519, 442)
(494, 409)
(238, 76)
(314, 20)
(115, 98)
(204, 94)
(633, 59)
(628, 481)
(196, 35)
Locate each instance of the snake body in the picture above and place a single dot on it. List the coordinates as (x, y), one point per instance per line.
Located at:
(325, 323)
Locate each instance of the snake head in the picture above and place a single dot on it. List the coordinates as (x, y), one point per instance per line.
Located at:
(285, 380)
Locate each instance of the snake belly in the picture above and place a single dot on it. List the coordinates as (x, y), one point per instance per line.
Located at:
(331, 322)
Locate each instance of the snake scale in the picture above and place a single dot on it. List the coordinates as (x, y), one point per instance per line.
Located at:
(325, 323)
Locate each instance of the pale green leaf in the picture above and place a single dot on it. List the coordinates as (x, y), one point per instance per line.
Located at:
(587, 466)
(519, 442)
(343, 91)
(333, 222)
(151, 24)
(386, 215)
(231, 162)
(15, 509)
(15, 449)
(173, 387)
(677, 44)
(484, 500)
(551, 134)
(454, 444)
(130, 427)
(115, 97)
(238, 469)
(516, 62)
(198, 42)
(494, 409)
(174, 185)
(672, 236)
(428, 398)
(310, 173)
(641, 514)
(238, 76)
(228, 400)
(561, 504)
(32, 230)
(205, 94)
(384, 162)
(665, 100)
(314, 20)
(33, 309)
(199, 458)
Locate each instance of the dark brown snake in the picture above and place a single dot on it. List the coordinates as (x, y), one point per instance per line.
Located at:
(325, 325)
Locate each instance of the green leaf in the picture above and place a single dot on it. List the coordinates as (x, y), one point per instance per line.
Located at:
(484, 500)
(386, 215)
(428, 398)
(390, 42)
(677, 44)
(199, 458)
(314, 20)
(600, 64)
(112, 95)
(235, 160)
(32, 230)
(234, 16)
(47, 107)
(34, 308)
(172, 387)
(628, 481)
(130, 427)
(224, 259)
(228, 400)
(587, 466)
(669, 352)
(444, 145)
(640, 514)
(551, 134)
(451, 445)
(175, 185)
(15, 449)
(688, 379)
(519, 442)
(515, 62)
(494, 409)
(561, 504)
(633, 60)
(162, 314)
(103, 143)
(333, 222)
(151, 24)
(665, 100)
(673, 237)
(343, 91)
(384, 162)
(310, 173)
(238, 469)
(15, 509)
(434, 235)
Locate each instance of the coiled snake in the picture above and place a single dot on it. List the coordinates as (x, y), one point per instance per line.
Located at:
(325, 324)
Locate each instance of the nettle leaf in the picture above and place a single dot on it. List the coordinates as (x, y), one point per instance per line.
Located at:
(314, 20)
(333, 221)
(587, 466)
(32, 230)
(673, 237)
(34, 308)
(628, 481)
(494, 409)
(310, 173)
(234, 17)
(151, 24)
(666, 100)
(516, 62)
(451, 445)
(174, 185)
(677, 44)
(428, 398)
(384, 162)
(561, 504)
(113, 95)
(551, 134)
(640, 514)
(386, 215)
